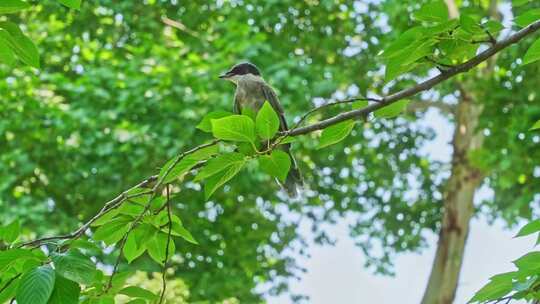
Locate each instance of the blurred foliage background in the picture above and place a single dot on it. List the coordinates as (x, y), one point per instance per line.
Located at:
(120, 91)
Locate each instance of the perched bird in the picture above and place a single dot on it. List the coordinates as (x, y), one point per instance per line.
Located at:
(251, 93)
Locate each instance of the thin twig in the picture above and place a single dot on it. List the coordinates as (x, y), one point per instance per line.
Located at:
(164, 271)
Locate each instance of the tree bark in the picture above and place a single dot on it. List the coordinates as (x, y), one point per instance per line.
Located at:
(460, 190)
(458, 206)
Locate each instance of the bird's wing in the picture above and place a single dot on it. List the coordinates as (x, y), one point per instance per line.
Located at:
(272, 98)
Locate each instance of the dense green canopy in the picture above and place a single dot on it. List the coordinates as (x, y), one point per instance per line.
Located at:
(123, 84)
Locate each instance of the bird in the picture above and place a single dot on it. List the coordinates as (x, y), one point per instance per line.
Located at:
(251, 93)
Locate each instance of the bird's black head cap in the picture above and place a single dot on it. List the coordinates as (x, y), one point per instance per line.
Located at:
(242, 69)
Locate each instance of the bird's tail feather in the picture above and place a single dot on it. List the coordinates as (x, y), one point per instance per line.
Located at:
(293, 182)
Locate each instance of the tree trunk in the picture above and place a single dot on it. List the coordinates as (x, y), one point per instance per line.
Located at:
(458, 207)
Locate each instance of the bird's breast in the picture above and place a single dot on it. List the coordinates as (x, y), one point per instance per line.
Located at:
(249, 96)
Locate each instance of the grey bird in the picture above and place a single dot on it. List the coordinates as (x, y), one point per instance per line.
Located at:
(251, 93)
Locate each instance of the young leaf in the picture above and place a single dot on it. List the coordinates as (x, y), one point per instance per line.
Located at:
(470, 25)
(533, 53)
(12, 6)
(75, 4)
(10, 232)
(536, 126)
(392, 110)
(186, 164)
(65, 291)
(219, 164)
(75, 266)
(179, 230)
(530, 228)
(21, 45)
(529, 261)
(36, 286)
(276, 164)
(113, 231)
(137, 292)
(336, 133)
(217, 180)
(234, 128)
(157, 247)
(436, 11)
(131, 250)
(267, 121)
(206, 125)
(493, 290)
(528, 17)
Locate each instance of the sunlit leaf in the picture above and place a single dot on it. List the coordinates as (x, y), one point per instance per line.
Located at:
(75, 4)
(336, 133)
(206, 123)
(528, 17)
(12, 6)
(533, 53)
(277, 164)
(21, 45)
(234, 128)
(392, 110)
(267, 122)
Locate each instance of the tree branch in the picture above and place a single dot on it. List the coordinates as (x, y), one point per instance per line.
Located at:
(426, 85)
(378, 103)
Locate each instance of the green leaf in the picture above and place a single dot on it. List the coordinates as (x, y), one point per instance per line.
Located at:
(528, 17)
(516, 3)
(493, 290)
(533, 53)
(436, 11)
(9, 291)
(470, 25)
(12, 6)
(536, 126)
(10, 232)
(36, 286)
(529, 261)
(223, 176)
(75, 4)
(8, 257)
(530, 228)
(336, 133)
(131, 250)
(234, 128)
(137, 292)
(21, 45)
(206, 123)
(6, 54)
(267, 122)
(186, 164)
(360, 104)
(75, 266)
(276, 164)
(157, 247)
(220, 163)
(113, 231)
(65, 291)
(179, 230)
(392, 110)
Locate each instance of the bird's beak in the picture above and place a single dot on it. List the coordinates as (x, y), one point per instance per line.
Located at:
(225, 76)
